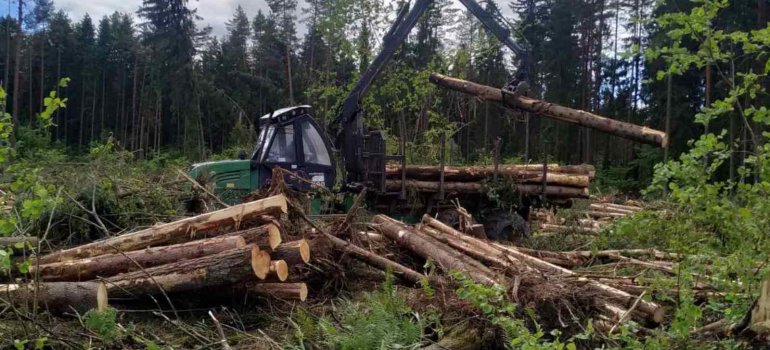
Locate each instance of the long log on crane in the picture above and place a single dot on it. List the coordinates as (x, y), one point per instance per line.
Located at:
(551, 110)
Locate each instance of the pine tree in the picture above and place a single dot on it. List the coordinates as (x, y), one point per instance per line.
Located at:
(282, 12)
(169, 34)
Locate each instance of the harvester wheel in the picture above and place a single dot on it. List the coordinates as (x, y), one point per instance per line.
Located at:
(505, 226)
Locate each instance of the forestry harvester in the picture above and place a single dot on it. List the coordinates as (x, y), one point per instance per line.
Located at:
(291, 139)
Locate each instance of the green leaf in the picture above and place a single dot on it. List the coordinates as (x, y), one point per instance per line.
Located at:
(24, 267)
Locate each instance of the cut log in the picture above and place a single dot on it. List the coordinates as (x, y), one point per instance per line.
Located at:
(554, 111)
(112, 264)
(265, 236)
(294, 253)
(479, 173)
(175, 232)
(444, 256)
(475, 187)
(12, 241)
(606, 208)
(568, 229)
(380, 262)
(228, 267)
(57, 297)
(605, 214)
(279, 269)
(288, 291)
(370, 236)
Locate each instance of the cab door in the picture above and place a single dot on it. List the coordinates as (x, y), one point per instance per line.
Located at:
(299, 146)
(314, 152)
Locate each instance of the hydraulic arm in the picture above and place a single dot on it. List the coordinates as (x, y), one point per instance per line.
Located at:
(348, 125)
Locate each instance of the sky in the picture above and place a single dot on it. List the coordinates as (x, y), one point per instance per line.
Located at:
(215, 13)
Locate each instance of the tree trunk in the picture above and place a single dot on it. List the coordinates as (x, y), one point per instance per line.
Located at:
(57, 297)
(554, 111)
(175, 232)
(226, 268)
(288, 291)
(112, 264)
(524, 172)
(475, 187)
(294, 253)
(10, 241)
(17, 77)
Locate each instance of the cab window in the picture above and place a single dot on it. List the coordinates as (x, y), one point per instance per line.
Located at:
(283, 149)
(314, 146)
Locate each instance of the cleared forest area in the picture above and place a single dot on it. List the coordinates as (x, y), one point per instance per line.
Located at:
(618, 202)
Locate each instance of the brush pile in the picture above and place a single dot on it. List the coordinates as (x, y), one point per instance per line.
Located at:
(558, 182)
(240, 246)
(541, 280)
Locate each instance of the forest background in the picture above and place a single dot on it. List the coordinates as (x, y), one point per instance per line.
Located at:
(155, 83)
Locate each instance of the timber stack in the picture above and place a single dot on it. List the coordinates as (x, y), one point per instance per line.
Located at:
(240, 247)
(555, 182)
(587, 222)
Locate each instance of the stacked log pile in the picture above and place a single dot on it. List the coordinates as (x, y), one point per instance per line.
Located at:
(557, 182)
(589, 221)
(240, 245)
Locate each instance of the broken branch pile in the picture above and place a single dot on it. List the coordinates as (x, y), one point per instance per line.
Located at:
(238, 245)
(530, 278)
(555, 181)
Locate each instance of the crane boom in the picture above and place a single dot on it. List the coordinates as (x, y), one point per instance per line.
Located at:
(348, 125)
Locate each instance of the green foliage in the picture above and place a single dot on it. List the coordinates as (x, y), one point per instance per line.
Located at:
(493, 302)
(381, 320)
(32, 196)
(104, 324)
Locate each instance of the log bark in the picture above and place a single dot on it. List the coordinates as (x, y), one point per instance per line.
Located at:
(175, 232)
(57, 297)
(267, 236)
(288, 291)
(228, 267)
(479, 173)
(294, 253)
(444, 256)
(112, 264)
(474, 187)
(11, 241)
(554, 111)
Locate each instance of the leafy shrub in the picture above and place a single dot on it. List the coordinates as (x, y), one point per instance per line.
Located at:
(494, 304)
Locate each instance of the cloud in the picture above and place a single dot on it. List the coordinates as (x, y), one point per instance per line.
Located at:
(215, 13)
